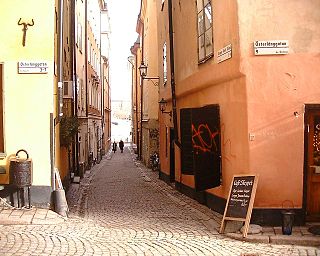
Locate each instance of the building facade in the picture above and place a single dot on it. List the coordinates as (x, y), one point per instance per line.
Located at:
(29, 102)
(105, 74)
(243, 101)
(149, 85)
(46, 77)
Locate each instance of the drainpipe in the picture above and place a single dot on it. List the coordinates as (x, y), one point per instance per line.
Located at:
(173, 83)
(55, 119)
(86, 74)
(132, 82)
(136, 88)
(101, 90)
(74, 27)
(141, 100)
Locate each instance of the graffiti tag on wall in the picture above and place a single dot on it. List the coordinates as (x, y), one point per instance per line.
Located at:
(203, 139)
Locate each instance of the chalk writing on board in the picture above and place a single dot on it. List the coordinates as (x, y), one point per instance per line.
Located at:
(240, 196)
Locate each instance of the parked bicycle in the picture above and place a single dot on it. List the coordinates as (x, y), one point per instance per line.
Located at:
(154, 161)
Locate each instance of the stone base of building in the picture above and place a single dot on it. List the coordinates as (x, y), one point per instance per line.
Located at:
(260, 216)
(41, 196)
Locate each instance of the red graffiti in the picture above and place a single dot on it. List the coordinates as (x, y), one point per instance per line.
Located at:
(203, 138)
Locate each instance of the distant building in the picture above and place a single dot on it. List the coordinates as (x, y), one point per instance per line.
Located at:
(145, 94)
(121, 109)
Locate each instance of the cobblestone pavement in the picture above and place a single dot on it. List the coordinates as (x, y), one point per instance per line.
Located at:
(123, 209)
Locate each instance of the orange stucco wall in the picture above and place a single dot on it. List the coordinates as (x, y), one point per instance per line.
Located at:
(278, 86)
(257, 94)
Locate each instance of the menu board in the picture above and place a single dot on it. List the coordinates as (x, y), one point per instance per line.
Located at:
(240, 200)
(240, 196)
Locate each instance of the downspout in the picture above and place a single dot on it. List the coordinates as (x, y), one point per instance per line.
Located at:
(173, 83)
(101, 87)
(136, 88)
(86, 74)
(132, 83)
(141, 99)
(74, 66)
(60, 82)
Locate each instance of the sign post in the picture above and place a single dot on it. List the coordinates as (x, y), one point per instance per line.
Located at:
(240, 201)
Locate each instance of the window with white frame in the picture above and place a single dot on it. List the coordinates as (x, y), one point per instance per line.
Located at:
(205, 38)
(165, 68)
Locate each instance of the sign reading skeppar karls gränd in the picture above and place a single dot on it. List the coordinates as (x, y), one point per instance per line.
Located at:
(32, 67)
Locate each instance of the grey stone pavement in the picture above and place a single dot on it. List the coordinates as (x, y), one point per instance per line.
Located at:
(122, 208)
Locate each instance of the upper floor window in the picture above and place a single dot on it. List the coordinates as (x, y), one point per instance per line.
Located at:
(205, 40)
(164, 49)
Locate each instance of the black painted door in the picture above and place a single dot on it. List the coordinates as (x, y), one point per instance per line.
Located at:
(201, 147)
(206, 147)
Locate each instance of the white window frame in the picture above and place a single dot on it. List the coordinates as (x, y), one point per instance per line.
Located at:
(164, 63)
(204, 30)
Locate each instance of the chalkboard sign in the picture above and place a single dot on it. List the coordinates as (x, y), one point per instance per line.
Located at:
(240, 200)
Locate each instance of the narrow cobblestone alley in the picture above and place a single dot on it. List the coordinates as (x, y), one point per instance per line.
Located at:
(122, 208)
(142, 215)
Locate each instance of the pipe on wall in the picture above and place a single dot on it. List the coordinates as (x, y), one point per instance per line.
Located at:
(173, 83)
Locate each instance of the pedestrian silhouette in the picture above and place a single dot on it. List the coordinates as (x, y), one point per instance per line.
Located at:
(114, 146)
(121, 145)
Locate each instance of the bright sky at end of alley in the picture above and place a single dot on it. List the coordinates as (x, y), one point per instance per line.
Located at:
(123, 19)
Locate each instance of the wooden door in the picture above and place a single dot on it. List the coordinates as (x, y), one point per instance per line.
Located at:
(313, 166)
(206, 147)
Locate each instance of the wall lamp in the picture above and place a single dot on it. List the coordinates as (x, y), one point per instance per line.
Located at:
(143, 73)
(163, 106)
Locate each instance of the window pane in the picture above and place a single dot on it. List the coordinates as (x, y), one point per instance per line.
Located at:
(200, 24)
(201, 47)
(208, 16)
(199, 5)
(165, 62)
(206, 2)
(208, 42)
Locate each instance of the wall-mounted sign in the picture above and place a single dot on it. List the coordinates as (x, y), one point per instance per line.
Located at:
(271, 47)
(32, 67)
(225, 53)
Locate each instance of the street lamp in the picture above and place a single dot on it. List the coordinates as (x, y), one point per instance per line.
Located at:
(143, 73)
(163, 106)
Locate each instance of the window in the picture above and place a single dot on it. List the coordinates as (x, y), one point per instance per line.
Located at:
(205, 40)
(164, 50)
(162, 4)
(79, 37)
(1, 111)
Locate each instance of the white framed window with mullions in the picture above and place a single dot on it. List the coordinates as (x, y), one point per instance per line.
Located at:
(205, 33)
(164, 64)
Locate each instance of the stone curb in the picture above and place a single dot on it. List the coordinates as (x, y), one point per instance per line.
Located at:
(249, 238)
(295, 240)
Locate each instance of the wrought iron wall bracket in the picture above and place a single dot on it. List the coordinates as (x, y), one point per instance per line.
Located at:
(154, 80)
(24, 29)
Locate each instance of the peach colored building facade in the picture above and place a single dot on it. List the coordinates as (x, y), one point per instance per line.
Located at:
(268, 105)
(148, 126)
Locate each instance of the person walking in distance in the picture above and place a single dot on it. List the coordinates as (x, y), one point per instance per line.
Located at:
(121, 145)
(114, 146)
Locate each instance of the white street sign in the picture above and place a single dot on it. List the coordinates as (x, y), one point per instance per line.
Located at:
(271, 47)
(225, 53)
(32, 67)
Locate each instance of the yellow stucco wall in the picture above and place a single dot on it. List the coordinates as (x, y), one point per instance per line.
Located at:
(28, 98)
